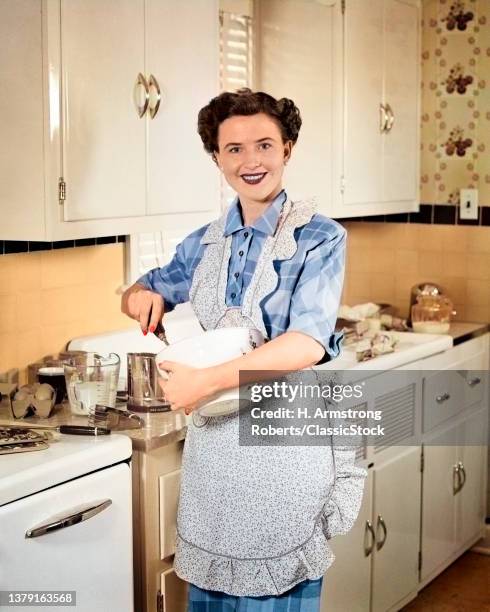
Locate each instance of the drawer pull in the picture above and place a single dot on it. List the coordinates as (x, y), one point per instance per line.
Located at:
(463, 472)
(456, 472)
(380, 544)
(474, 381)
(368, 549)
(442, 398)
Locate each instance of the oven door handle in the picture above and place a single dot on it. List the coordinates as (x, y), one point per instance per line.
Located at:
(69, 518)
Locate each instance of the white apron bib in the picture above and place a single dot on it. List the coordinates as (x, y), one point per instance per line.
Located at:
(252, 520)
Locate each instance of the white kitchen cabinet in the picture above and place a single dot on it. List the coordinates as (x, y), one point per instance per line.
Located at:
(300, 52)
(352, 67)
(454, 478)
(98, 167)
(396, 525)
(381, 142)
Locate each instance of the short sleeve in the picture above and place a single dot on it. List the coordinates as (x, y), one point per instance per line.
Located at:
(316, 298)
(172, 281)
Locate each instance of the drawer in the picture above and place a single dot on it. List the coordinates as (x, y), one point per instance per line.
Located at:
(173, 592)
(169, 488)
(443, 397)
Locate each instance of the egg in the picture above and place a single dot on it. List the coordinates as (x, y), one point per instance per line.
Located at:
(44, 392)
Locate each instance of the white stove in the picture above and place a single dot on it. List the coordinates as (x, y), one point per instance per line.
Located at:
(66, 520)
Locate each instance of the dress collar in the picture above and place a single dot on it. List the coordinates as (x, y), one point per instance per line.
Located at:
(266, 223)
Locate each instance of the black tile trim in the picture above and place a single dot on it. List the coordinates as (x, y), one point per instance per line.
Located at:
(434, 214)
(15, 246)
(85, 242)
(444, 214)
(8, 247)
(63, 244)
(425, 214)
(106, 240)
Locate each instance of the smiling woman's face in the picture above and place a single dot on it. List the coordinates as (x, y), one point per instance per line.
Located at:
(252, 155)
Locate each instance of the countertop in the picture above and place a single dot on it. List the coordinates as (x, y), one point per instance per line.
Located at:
(165, 428)
(463, 331)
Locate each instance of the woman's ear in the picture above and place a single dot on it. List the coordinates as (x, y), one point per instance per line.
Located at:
(215, 159)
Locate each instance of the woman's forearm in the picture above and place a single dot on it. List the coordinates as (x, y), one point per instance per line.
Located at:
(288, 352)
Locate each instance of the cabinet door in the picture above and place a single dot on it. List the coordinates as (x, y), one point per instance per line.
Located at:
(102, 52)
(169, 489)
(363, 74)
(182, 53)
(470, 501)
(439, 505)
(347, 583)
(300, 53)
(21, 121)
(401, 92)
(397, 506)
(173, 591)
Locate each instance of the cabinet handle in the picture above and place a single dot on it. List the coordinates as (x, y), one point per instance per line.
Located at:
(442, 398)
(379, 545)
(463, 472)
(368, 549)
(458, 485)
(142, 109)
(474, 381)
(71, 517)
(391, 118)
(154, 83)
(383, 118)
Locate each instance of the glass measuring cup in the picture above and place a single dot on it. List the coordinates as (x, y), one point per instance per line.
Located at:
(91, 379)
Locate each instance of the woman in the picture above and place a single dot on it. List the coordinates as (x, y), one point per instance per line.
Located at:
(253, 522)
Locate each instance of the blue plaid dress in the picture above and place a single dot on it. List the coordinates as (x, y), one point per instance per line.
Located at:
(304, 597)
(310, 283)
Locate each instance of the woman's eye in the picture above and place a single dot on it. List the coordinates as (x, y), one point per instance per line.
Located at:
(234, 149)
(265, 145)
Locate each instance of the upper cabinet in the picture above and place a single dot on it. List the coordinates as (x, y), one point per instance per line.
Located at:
(352, 67)
(101, 116)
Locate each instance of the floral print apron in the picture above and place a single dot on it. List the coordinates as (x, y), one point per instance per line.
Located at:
(255, 520)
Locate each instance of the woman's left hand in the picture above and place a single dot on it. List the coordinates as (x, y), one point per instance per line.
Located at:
(187, 388)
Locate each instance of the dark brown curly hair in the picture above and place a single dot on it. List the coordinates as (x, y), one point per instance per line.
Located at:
(246, 102)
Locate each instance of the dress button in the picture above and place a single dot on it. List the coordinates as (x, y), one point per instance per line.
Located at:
(237, 274)
(246, 234)
(233, 296)
(240, 253)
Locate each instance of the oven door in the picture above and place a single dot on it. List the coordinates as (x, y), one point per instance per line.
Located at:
(76, 536)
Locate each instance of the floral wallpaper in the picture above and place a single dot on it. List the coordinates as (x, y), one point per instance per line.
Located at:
(455, 100)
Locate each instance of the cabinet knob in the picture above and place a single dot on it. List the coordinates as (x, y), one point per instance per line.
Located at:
(442, 398)
(472, 382)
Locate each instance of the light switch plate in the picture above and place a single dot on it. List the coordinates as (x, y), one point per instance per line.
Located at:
(468, 204)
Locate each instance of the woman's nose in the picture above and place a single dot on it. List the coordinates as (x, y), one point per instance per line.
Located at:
(252, 160)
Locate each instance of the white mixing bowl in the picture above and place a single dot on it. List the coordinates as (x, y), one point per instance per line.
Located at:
(211, 348)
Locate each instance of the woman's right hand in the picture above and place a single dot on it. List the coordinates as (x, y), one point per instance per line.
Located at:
(138, 302)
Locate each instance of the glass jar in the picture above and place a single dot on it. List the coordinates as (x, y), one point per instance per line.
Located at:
(432, 314)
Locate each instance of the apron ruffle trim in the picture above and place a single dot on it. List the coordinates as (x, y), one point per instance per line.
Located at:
(257, 577)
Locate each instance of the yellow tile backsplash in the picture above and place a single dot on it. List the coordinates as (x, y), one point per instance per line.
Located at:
(48, 298)
(465, 275)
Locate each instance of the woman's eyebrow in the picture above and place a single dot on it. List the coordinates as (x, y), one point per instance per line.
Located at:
(237, 144)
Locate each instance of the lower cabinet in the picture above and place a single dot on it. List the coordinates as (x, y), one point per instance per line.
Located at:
(376, 563)
(172, 595)
(453, 483)
(347, 583)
